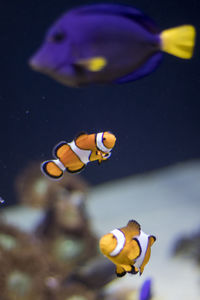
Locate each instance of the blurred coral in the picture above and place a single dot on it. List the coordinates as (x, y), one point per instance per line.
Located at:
(75, 291)
(188, 246)
(54, 261)
(36, 190)
(23, 265)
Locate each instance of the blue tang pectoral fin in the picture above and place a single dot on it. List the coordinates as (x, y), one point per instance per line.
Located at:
(93, 64)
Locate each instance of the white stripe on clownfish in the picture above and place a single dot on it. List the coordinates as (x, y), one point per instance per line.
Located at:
(143, 240)
(59, 164)
(82, 154)
(119, 235)
(100, 144)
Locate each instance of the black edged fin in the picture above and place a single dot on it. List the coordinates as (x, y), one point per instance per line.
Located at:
(51, 170)
(134, 224)
(57, 148)
(126, 11)
(152, 239)
(120, 274)
(76, 171)
(119, 271)
(133, 270)
(80, 134)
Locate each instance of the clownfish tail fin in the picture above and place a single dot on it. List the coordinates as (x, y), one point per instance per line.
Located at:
(179, 41)
(52, 169)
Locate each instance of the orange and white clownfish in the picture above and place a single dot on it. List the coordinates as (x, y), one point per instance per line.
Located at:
(74, 156)
(129, 248)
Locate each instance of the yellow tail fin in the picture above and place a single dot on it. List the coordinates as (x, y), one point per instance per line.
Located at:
(179, 41)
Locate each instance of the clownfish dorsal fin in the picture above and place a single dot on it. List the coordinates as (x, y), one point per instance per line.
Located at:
(134, 226)
(152, 239)
(59, 149)
(80, 135)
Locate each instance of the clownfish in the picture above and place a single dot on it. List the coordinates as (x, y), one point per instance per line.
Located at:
(108, 43)
(74, 156)
(129, 248)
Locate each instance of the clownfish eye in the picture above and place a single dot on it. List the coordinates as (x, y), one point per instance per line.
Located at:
(104, 139)
(58, 37)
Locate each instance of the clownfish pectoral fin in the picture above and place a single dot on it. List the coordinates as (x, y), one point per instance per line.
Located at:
(135, 249)
(99, 161)
(51, 169)
(73, 170)
(104, 157)
(59, 149)
(93, 64)
(120, 272)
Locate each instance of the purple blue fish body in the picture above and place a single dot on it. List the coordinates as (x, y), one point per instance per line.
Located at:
(102, 43)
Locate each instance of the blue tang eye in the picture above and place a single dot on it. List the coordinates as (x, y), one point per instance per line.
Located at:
(58, 37)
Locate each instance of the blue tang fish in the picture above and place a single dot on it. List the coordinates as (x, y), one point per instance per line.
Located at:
(107, 43)
(146, 292)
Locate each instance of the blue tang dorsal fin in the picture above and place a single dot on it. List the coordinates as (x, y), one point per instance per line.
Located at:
(120, 10)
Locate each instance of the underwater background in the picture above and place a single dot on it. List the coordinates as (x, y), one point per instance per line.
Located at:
(153, 175)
